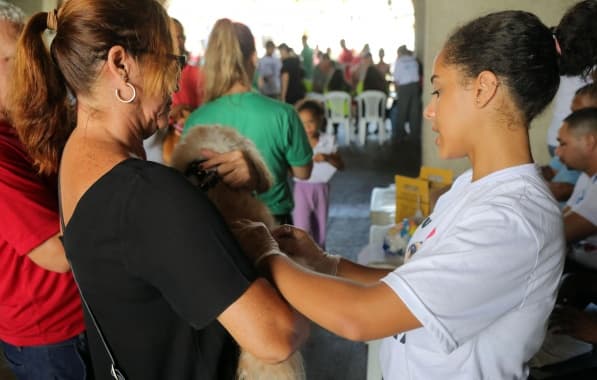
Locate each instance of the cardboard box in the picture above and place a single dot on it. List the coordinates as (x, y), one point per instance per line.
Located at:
(413, 194)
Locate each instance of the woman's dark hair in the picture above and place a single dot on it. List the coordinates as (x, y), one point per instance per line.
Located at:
(577, 35)
(315, 108)
(518, 48)
(374, 80)
(85, 31)
(337, 82)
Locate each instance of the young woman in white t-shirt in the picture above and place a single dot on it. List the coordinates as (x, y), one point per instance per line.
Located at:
(480, 278)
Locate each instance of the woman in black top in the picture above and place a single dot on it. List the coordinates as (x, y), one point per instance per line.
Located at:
(162, 274)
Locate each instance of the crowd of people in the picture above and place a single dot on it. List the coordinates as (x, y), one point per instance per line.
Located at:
(116, 266)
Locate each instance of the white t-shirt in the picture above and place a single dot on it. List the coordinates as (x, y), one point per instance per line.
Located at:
(561, 105)
(583, 202)
(481, 277)
(406, 70)
(322, 172)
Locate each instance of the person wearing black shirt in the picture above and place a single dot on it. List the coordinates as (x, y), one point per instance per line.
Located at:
(293, 88)
(161, 272)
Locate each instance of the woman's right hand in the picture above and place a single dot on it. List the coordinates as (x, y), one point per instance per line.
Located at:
(255, 239)
(298, 245)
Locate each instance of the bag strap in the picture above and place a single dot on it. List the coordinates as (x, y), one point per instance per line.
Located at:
(114, 371)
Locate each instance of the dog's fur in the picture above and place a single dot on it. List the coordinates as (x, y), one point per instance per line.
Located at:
(234, 205)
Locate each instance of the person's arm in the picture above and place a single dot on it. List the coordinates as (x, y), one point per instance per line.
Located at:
(333, 159)
(352, 310)
(302, 172)
(284, 78)
(50, 255)
(548, 172)
(577, 227)
(561, 190)
(357, 306)
(276, 330)
(573, 322)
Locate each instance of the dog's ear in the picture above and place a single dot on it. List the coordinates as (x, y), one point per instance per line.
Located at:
(265, 178)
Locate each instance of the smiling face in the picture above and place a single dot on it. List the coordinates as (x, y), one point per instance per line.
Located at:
(451, 110)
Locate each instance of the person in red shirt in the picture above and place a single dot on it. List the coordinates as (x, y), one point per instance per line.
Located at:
(41, 319)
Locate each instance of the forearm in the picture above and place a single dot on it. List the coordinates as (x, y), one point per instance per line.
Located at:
(335, 160)
(561, 190)
(283, 86)
(345, 307)
(360, 273)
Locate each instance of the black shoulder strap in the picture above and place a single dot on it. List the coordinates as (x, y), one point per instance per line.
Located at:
(114, 371)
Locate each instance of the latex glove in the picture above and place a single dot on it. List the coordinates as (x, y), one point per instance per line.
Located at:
(255, 239)
(298, 245)
(235, 169)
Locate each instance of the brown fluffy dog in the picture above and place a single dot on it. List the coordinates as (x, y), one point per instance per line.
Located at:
(234, 205)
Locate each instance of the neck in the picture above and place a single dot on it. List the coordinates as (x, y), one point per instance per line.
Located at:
(499, 147)
(118, 133)
(238, 88)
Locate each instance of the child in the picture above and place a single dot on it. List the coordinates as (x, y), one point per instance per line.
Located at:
(311, 197)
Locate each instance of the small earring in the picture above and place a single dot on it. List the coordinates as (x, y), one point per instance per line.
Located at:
(117, 92)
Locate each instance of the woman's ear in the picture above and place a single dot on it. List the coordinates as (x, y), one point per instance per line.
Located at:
(119, 62)
(486, 86)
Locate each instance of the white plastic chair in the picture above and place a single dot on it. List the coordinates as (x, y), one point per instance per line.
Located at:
(372, 109)
(316, 96)
(337, 110)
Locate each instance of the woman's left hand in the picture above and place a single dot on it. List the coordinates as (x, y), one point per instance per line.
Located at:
(234, 167)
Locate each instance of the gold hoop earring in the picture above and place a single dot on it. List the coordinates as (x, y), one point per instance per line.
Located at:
(117, 92)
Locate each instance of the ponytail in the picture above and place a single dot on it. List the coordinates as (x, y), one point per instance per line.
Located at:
(39, 106)
(228, 58)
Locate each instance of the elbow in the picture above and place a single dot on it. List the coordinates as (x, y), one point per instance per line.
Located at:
(283, 344)
(278, 350)
(352, 329)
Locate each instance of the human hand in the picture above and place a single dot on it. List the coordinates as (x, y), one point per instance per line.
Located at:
(235, 169)
(319, 157)
(579, 324)
(547, 172)
(297, 244)
(255, 240)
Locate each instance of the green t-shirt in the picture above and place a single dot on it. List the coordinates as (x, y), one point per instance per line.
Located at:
(276, 130)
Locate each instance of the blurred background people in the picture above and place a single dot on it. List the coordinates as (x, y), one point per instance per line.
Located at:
(269, 72)
(291, 78)
(408, 89)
